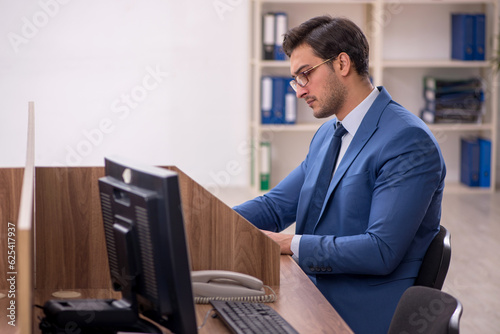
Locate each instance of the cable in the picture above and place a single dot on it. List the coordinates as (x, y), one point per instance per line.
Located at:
(256, 299)
(206, 318)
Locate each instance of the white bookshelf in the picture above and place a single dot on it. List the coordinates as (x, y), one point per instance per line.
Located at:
(408, 40)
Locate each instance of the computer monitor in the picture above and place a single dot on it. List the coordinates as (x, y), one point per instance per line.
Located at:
(147, 253)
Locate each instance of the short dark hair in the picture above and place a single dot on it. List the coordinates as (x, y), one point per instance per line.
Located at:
(328, 36)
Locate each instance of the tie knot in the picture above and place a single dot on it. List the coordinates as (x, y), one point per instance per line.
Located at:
(340, 130)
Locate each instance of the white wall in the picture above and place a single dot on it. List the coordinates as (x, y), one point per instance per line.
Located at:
(160, 81)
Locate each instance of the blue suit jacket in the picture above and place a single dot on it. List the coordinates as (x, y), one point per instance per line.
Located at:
(380, 214)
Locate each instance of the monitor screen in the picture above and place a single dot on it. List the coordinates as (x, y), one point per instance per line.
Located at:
(146, 242)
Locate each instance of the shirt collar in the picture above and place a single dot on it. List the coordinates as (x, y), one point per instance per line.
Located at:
(352, 121)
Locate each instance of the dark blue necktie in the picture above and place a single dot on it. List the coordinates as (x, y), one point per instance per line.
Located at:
(325, 175)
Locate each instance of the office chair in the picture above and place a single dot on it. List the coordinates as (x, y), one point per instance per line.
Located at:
(426, 310)
(436, 261)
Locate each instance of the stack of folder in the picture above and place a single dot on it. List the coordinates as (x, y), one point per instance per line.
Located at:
(468, 36)
(475, 161)
(278, 101)
(274, 26)
(453, 101)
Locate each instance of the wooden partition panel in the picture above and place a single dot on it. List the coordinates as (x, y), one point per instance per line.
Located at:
(70, 244)
(11, 180)
(219, 238)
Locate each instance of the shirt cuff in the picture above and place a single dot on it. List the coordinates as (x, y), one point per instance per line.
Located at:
(295, 247)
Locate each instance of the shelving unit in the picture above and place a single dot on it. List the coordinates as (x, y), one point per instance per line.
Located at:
(423, 27)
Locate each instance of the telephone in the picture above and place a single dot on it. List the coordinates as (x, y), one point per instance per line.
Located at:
(228, 285)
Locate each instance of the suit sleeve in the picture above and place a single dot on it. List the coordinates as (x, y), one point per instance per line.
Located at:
(277, 209)
(407, 177)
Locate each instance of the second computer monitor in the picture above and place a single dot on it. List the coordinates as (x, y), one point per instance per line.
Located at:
(146, 242)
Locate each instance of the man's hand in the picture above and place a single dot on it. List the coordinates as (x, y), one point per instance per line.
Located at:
(283, 239)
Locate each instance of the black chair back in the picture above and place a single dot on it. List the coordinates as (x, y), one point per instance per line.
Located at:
(426, 310)
(436, 261)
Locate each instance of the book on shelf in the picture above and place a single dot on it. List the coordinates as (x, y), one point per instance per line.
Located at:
(468, 36)
(452, 100)
(278, 101)
(475, 161)
(274, 26)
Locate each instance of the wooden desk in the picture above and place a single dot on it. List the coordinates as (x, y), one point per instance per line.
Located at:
(299, 302)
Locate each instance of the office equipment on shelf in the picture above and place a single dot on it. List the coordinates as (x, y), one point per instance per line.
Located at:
(266, 99)
(480, 37)
(290, 103)
(475, 161)
(469, 161)
(268, 36)
(147, 254)
(281, 28)
(245, 317)
(265, 166)
(278, 101)
(484, 162)
(468, 36)
(274, 26)
(436, 87)
(462, 36)
(453, 100)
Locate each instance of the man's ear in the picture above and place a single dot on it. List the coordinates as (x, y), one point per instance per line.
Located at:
(344, 63)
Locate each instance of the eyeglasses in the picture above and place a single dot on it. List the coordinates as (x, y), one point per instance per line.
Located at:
(301, 79)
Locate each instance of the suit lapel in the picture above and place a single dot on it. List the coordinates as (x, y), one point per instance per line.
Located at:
(366, 129)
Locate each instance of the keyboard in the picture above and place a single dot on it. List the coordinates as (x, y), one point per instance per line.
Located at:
(246, 318)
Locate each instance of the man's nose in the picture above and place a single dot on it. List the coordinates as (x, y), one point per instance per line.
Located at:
(301, 92)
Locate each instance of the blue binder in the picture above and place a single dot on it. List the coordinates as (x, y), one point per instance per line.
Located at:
(462, 36)
(278, 105)
(480, 37)
(290, 103)
(268, 36)
(469, 171)
(484, 162)
(278, 101)
(281, 20)
(266, 99)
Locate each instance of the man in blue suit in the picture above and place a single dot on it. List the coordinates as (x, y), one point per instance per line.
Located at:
(364, 246)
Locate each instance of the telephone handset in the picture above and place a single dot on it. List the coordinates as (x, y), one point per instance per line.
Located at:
(228, 285)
